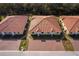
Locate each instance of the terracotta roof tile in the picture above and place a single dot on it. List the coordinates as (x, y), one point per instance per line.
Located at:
(72, 23)
(9, 45)
(45, 24)
(13, 24)
(49, 45)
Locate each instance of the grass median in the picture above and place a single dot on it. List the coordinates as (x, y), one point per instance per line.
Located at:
(24, 44)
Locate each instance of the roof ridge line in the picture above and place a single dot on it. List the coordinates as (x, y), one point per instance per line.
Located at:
(53, 25)
(38, 23)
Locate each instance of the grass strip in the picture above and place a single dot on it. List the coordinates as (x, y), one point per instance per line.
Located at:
(23, 45)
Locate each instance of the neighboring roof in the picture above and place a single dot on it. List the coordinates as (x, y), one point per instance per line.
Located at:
(44, 24)
(75, 44)
(35, 21)
(13, 24)
(9, 45)
(71, 22)
(49, 45)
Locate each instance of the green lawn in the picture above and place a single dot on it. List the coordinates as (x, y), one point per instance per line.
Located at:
(68, 44)
(23, 45)
(2, 17)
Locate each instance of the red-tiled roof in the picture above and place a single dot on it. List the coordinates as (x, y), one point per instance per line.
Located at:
(45, 24)
(13, 24)
(49, 45)
(9, 45)
(35, 21)
(72, 23)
